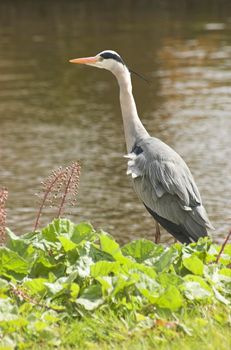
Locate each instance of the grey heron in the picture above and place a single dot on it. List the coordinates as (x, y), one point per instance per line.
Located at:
(161, 178)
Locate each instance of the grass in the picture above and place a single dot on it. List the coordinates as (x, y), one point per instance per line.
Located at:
(206, 328)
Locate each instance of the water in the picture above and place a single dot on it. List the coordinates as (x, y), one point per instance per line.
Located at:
(52, 112)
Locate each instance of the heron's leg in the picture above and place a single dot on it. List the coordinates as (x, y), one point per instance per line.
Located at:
(157, 234)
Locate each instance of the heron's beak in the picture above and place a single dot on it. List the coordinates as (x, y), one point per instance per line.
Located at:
(85, 60)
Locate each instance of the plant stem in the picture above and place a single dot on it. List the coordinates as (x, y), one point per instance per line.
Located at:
(223, 246)
(65, 193)
(44, 200)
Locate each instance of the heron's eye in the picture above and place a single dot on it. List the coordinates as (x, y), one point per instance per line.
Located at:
(100, 58)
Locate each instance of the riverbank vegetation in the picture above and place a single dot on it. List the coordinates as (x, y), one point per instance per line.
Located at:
(68, 285)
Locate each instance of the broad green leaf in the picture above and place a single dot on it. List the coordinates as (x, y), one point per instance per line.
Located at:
(133, 267)
(109, 245)
(165, 279)
(106, 284)
(35, 286)
(82, 231)
(4, 288)
(122, 282)
(104, 268)
(226, 275)
(8, 311)
(195, 291)
(150, 296)
(148, 287)
(43, 266)
(141, 249)
(194, 264)
(16, 243)
(220, 297)
(67, 244)
(170, 299)
(55, 287)
(227, 249)
(4, 284)
(82, 266)
(90, 304)
(56, 228)
(198, 279)
(225, 271)
(49, 233)
(96, 254)
(165, 260)
(91, 298)
(11, 261)
(74, 290)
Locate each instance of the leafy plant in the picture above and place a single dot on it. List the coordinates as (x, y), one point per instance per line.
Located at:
(68, 271)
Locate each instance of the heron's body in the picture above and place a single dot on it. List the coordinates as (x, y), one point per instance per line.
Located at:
(161, 178)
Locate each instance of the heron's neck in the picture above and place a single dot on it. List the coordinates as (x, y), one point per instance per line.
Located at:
(133, 127)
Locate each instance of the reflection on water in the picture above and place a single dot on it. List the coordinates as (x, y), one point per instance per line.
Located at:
(52, 113)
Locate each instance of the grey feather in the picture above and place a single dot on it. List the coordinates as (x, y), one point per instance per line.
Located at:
(166, 186)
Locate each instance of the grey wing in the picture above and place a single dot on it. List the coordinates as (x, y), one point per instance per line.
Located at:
(168, 190)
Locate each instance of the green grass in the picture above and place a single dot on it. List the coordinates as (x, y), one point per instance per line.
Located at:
(206, 328)
(110, 333)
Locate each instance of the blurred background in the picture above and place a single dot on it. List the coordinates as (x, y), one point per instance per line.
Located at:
(52, 112)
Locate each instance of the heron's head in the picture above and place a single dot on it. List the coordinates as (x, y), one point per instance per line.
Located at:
(107, 59)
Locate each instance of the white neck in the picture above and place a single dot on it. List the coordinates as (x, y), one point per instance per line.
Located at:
(133, 128)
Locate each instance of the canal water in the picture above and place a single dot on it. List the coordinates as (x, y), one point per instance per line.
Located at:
(53, 113)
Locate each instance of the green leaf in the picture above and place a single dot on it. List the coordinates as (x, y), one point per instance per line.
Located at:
(96, 254)
(106, 284)
(166, 259)
(225, 272)
(109, 245)
(67, 244)
(43, 266)
(3, 284)
(148, 287)
(227, 249)
(56, 228)
(83, 231)
(165, 279)
(74, 290)
(194, 291)
(54, 288)
(104, 268)
(133, 267)
(198, 279)
(82, 266)
(170, 299)
(122, 283)
(194, 264)
(141, 249)
(91, 298)
(8, 311)
(11, 261)
(16, 243)
(220, 297)
(35, 286)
